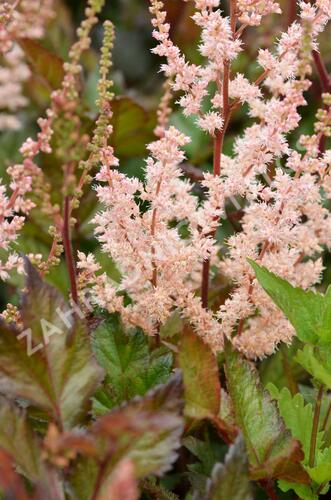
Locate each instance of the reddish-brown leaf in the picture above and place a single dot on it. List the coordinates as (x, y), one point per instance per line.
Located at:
(202, 387)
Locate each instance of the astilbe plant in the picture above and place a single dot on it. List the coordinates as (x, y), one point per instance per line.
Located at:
(142, 383)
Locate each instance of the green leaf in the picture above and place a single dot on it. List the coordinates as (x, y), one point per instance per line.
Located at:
(297, 416)
(133, 127)
(46, 64)
(310, 394)
(309, 312)
(172, 327)
(299, 419)
(156, 490)
(208, 451)
(131, 370)
(226, 413)
(303, 491)
(201, 379)
(281, 369)
(230, 480)
(317, 362)
(17, 438)
(146, 430)
(81, 479)
(272, 451)
(50, 363)
(200, 147)
(321, 473)
(204, 451)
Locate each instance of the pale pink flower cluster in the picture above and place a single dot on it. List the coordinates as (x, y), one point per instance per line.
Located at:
(65, 98)
(252, 11)
(210, 122)
(24, 19)
(21, 178)
(284, 223)
(29, 21)
(164, 110)
(274, 234)
(13, 74)
(157, 265)
(30, 148)
(217, 45)
(324, 5)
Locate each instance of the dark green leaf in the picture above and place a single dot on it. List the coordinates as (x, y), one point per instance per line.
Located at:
(208, 451)
(230, 480)
(130, 368)
(204, 451)
(200, 147)
(281, 369)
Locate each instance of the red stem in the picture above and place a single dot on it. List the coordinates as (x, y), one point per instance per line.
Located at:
(268, 487)
(205, 283)
(68, 250)
(292, 11)
(323, 74)
(218, 146)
